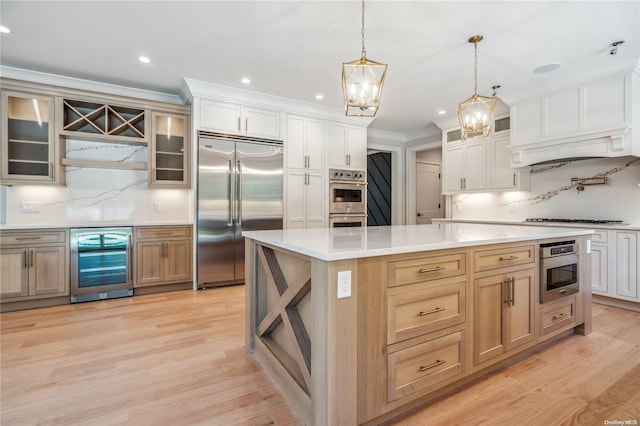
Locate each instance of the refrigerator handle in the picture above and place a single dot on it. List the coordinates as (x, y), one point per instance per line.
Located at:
(239, 192)
(230, 221)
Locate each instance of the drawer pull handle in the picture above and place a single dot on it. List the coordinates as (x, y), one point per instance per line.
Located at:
(502, 259)
(27, 238)
(163, 233)
(435, 269)
(433, 311)
(559, 316)
(430, 366)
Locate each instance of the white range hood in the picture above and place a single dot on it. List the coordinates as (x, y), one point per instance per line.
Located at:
(600, 119)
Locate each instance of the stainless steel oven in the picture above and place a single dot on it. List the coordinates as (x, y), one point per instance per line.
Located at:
(559, 266)
(347, 220)
(347, 191)
(100, 263)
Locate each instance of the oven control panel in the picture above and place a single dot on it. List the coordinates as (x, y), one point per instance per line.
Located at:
(348, 175)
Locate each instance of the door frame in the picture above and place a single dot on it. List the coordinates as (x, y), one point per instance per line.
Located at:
(410, 211)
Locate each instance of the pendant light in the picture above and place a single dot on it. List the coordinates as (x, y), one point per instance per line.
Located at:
(476, 113)
(362, 82)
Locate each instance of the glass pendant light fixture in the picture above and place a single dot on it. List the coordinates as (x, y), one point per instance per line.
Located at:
(362, 82)
(476, 113)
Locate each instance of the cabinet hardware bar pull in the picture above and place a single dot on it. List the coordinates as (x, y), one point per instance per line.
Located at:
(435, 364)
(434, 269)
(433, 311)
(32, 254)
(27, 238)
(560, 316)
(246, 124)
(461, 185)
(512, 280)
(505, 286)
(502, 259)
(514, 179)
(25, 256)
(230, 221)
(238, 123)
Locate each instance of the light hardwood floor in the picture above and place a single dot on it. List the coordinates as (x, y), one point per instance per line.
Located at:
(179, 359)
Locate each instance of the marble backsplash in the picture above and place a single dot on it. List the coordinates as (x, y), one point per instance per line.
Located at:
(97, 194)
(553, 195)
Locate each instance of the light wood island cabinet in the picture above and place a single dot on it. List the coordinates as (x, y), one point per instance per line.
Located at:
(358, 326)
(163, 255)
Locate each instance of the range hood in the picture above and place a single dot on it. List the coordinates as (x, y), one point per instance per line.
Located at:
(596, 120)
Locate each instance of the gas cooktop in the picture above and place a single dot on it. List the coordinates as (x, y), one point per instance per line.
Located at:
(588, 221)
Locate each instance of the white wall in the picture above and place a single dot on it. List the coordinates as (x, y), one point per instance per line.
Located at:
(98, 195)
(552, 195)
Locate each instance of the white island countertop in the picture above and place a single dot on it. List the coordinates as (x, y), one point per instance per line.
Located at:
(349, 243)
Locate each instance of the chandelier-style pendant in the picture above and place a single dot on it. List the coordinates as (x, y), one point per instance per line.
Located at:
(362, 82)
(476, 113)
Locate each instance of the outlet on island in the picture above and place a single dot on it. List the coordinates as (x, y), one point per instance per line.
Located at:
(344, 284)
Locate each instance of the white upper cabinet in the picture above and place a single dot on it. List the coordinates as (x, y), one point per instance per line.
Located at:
(304, 145)
(225, 117)
(502, 176)
(465, 166)
(347, 146)
(593, 120)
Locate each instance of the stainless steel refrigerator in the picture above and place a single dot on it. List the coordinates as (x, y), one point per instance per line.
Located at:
(239, 188)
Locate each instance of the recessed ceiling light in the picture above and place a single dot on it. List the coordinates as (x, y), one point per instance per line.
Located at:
(442, 112)
(543, 69)
(144, 59)
(246, 80)
(319, 97)
(4, 30)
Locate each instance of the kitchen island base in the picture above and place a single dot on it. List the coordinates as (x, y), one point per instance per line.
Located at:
(405, 329)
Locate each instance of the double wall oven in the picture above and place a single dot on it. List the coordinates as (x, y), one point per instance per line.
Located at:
(347, 198)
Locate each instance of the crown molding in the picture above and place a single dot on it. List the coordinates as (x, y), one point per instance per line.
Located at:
(205, 90)
(89, 85)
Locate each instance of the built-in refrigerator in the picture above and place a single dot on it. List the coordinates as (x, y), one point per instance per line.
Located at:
(239, 188)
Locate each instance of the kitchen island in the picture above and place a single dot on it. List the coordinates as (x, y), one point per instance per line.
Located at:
(358, 325)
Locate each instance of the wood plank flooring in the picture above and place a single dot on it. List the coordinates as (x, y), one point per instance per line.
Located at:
(179, 359)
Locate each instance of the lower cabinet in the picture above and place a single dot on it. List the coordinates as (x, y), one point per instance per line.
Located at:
(425, 365)
(558, 315)
(615, 268)
(163, 255)
(34, 265)
(503, 313)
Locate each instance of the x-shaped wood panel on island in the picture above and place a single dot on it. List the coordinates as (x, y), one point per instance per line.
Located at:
(284, 311)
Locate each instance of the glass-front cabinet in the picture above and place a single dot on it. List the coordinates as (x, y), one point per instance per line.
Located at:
(169, 151)
(28, 138)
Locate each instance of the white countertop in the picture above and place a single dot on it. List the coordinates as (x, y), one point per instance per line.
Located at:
(625, 227)
(25, 227)
(350, 243)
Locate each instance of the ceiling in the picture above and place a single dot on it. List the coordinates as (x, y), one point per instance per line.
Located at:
(294, 49)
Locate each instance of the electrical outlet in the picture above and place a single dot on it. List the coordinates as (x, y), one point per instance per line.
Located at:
(344, 284)
(30, 206)
(156, 206)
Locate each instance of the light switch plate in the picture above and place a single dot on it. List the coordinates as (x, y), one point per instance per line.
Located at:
(344, 284)
(30, 206)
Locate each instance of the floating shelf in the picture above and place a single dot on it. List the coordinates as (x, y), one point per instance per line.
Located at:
(122, 165)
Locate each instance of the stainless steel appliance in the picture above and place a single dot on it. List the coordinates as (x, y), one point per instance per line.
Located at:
(101, 262)
(559, 265)
(347, 220)
(347, 192)
(239, 188)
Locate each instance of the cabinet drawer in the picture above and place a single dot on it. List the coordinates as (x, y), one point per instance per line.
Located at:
(599, 236)
(422, 366)
(557, 315)
(486, 260)
(421, 311)
(163, 232)
(425, 268)
(29, 238)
